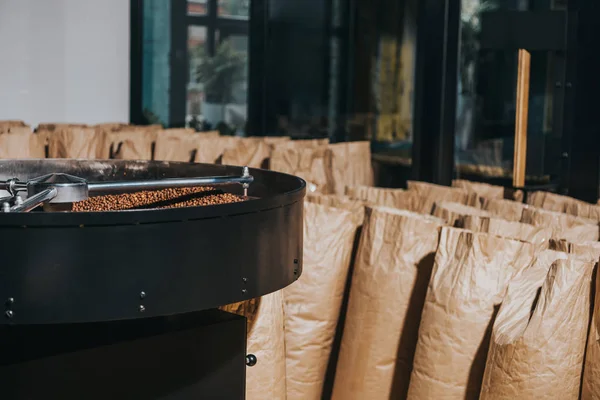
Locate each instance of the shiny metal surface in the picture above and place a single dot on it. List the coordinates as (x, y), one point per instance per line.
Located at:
(69, 188)
(34, 201)
(126, 186)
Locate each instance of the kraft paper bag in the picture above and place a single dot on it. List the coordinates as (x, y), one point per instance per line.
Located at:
(551, 201)
(111, 126)
(395, 198)
(538, 353)
(174, 148)
(210, 150)
(582, 209)
(432, 193)
(130, 144)
(58, 126)
(589, 250)
(253, 154)
(469, 280)
(356, 207)
(12, 123)
(391, 272)
(505, 209)
(455, 213)
(539, 236)
(487, 191)
(266, 340)
(351, 165)
(590, 388)
(312, 165)
(312, 304)
(564, 226)
(303, 143)
(271, 140)
(75, 142)
(21, 145)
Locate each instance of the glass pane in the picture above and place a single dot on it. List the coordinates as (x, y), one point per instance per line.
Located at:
(345, 75)
(234, 8)
(486, 104)
(196, 46)
(156, 67)
(197, 7)
(218, 85)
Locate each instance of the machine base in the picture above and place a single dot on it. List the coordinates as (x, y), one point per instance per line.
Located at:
(191, 356)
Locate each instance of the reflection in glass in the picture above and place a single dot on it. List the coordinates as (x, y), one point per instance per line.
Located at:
(234, 8)
(487, 100)
(157, 72)
(196, 46)
(197, 7)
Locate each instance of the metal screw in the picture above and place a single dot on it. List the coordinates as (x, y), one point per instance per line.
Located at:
(295, 261)
(295, 271)
(244, 291)
(251, 360)
(10, 301)
(142, 308)
(245, 280)
(9, 314)
(142, 295)
(565, 155)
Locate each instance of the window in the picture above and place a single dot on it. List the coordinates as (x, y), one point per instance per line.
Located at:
(195, 63)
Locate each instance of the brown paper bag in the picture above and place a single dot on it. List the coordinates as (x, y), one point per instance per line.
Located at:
(265, 339)
(431, 193)
(5, 124)
(21, 145)
(590, 389)
(395, 198)
(302, 144)
(51, 127)
(469, 280)
(585, 210)
(569, 227)
(253, 154)
(312, 165)
(175, 146)
(274, 140)
(390, 278)
(539, 236)
(111, 126)
(551, 201)
(356, 207)
(75, 142)
(538, 354)
(588, 251)
(505, 209)
(209, 150)
(312, 304)
(130, 144)
(487, 191)
(455, 213)
(351, 165)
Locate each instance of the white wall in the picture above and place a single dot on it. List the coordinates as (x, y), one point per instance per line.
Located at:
(64, 60)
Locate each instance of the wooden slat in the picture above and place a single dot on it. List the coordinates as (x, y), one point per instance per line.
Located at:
(520, 155)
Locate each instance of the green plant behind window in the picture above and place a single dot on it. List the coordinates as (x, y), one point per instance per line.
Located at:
(221, 72)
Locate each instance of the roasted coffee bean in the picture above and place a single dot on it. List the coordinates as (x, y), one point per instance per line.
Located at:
(166, 198)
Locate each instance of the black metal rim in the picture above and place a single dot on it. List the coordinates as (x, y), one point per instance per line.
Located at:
(133, 217)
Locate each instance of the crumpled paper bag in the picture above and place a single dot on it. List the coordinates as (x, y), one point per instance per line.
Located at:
(312, 165)
(564, 226)
(351, 165)
(431, 193)
(312, 304)
(537, 353)
(395, 198)
(487, 191)
(455, 213)
(539, 236)
(505, 209)
(470, 277)
(391, 271)
(266, 340)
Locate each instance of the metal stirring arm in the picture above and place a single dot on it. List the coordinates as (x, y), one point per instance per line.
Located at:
(62, 188)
